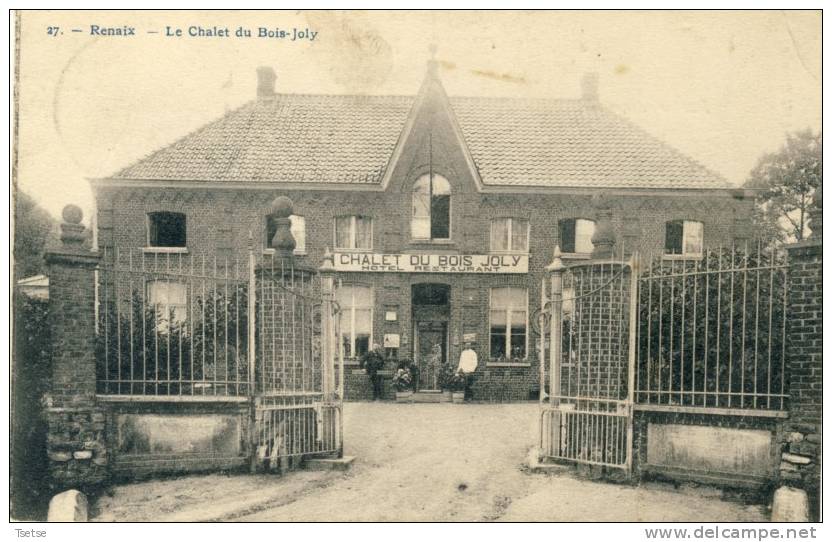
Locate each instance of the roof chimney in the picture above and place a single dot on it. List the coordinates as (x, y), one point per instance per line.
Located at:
(589, 87)
(265, 82)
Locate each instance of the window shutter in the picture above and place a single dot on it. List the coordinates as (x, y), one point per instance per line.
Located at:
(567, 235)
(673, 237)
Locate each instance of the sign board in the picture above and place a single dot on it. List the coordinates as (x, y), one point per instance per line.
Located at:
(391, 340)
(391, 316)
(432, 263)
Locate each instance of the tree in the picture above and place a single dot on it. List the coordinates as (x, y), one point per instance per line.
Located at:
(33, 227)
(787, 180)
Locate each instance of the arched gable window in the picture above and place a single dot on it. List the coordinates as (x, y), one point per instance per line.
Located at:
(431, 214)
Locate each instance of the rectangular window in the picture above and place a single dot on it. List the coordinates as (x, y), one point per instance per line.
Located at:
(576, 235)
(508, 322)
(509, 235)
(355, 319)
(169, 300)
(354, 232)
(297, 227)
(166, 229)
(684, 237)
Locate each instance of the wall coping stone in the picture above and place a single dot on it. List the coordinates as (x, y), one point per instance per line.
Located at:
(805, 244)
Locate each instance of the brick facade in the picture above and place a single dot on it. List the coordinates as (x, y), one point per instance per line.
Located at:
(801, 439)
(219, 222)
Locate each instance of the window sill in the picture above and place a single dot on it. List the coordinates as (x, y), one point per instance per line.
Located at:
(353, 250)
(165, 250)
(432, 242)
(681, 257)
(507, 364)
(576, 256)
(509, 252)
(273, 251)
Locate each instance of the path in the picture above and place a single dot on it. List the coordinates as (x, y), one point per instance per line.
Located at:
(440, 462)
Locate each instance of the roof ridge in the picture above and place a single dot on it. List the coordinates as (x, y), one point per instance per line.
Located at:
(523, 99)
(352, 96)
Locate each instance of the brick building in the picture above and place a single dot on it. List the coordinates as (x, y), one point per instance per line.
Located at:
(441, 212)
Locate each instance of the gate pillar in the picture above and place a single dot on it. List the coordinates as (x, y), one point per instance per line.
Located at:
(328, 348)
(76, 444)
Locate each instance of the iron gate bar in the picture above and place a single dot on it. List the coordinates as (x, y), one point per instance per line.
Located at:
(199, 316)
(591, 423)
(737, 367)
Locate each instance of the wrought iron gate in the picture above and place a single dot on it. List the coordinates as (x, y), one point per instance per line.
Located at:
(188, 327)
(298, 399)
(587, 355)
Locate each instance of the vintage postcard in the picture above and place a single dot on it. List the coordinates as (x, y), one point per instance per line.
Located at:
(418, 266)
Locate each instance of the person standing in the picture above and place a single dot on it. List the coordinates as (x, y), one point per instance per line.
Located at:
(468, 366)
(434, 363)
(373, 362)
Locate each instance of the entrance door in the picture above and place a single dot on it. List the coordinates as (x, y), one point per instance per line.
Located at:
(431, 352)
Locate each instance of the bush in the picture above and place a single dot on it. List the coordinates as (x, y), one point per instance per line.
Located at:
(31, 380)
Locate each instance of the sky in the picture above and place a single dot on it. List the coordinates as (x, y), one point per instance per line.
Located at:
(722, 87)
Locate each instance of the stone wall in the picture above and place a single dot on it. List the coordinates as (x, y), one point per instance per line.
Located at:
(757, 474)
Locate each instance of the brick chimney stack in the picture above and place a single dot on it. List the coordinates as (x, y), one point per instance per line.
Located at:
(265, 82)
(589, 87)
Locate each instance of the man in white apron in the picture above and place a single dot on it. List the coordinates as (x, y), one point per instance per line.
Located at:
(468, 366)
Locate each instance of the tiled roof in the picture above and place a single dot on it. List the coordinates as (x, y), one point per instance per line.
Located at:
(350, 139)
(291, 138)
(570, 143)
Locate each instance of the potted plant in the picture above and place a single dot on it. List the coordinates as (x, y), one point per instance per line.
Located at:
(413, 369)
(446, 375)
(457, 385)
(403, 382)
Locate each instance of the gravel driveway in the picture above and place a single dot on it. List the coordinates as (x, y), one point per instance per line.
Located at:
(439, 462)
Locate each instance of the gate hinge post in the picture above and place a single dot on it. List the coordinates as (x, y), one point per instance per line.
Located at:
(328, 346)
(555, 269)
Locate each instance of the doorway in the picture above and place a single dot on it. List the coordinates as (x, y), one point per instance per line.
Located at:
(431, 313)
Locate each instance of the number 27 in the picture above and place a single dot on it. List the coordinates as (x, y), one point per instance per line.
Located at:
(52, 30)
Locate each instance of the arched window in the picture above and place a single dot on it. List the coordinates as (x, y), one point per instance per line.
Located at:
(431, 217)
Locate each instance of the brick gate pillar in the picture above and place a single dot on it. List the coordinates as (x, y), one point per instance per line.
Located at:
(802, 432)
(75, 440)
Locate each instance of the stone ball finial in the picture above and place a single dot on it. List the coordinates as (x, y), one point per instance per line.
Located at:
(281, 207)
(283, 241)
(72, 214)
(72, 231)
(603, 239)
